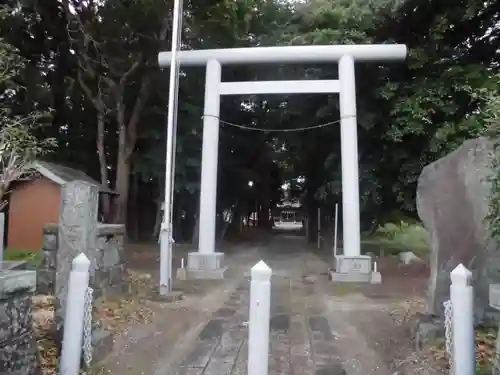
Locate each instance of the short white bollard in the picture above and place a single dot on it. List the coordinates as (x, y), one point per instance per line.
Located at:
(74, 315)
(258, 326)
(462, 301)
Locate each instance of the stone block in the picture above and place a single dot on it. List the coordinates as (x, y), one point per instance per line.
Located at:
(19, 355)
(15, 316)
(101, 244)
(200, 261)
(110, 257)
(15, 282)
(50, 241)
(116, 274)
(49, 259)
(11, 265)
(407, 257)
(428, 332)
(494, 296)
(51, 228)
(206, 274)
(352, 277)
(376, 278)
(45, 281)
(102, 345)
(110, 229)
(182, 274)
(353, 264)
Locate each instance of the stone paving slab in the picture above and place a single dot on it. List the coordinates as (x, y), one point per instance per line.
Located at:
(301, 340)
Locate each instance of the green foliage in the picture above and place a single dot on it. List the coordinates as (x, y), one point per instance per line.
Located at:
(10, 62)
(490, 118)
(17, 131)
(393, 238)
(409, 113)
(483, 370)
(18, 143)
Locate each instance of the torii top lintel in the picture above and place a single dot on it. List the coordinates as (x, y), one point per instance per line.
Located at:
(288, 54)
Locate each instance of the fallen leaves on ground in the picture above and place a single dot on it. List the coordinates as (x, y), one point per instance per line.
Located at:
(406, 310)
(485, 349)
(141, 284)
(43, 329)
(115, 314)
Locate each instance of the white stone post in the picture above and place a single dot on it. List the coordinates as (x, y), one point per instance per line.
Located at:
(74, 315)
(209, 157)
(462, 302)
(349, 154)
(258, 328)
(2, 232)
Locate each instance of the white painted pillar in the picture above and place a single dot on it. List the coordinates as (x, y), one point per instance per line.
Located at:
(335, 230)
(74, 318)
(258, 325)
(349, 151)
(209, 159)
(462, 302)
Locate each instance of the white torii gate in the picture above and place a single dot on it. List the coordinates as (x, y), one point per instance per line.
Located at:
(206, 262)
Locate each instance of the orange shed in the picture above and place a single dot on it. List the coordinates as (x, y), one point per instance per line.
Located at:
(36, 202)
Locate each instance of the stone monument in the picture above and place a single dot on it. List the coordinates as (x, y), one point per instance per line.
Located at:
(452, 202)
(77, 232)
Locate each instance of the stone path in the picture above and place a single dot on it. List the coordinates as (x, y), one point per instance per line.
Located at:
(302, 341)
(313, 328)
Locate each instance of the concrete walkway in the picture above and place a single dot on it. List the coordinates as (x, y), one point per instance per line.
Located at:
(308, 334)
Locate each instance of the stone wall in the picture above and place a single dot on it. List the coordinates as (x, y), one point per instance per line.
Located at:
(108, 263)
(110, 275)
(18, 347)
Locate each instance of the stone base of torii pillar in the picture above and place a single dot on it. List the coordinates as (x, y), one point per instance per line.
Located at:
(205, 266)
(355, 269)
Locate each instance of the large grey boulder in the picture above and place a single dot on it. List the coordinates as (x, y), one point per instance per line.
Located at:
(452, 201)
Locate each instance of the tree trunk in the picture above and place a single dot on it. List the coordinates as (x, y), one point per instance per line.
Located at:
(133, 220)
(122, 188)
(103, 166)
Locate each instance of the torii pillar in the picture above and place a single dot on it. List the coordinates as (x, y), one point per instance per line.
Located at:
(351, 266)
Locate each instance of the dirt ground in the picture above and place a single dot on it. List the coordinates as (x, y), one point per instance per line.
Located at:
(396, 305)
(152, 336)
(385, 314)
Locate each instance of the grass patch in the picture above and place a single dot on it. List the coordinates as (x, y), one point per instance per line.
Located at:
(32, 257)
(483, 370)
(343, 289)
(394, 238)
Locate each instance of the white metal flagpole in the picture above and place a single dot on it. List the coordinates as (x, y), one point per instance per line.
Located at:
(166, 238)
(335, 231)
